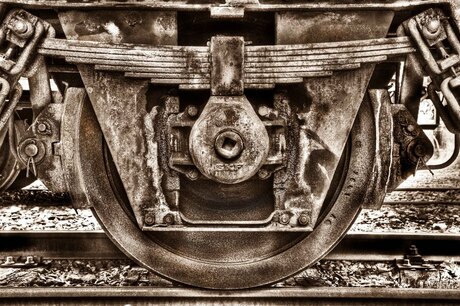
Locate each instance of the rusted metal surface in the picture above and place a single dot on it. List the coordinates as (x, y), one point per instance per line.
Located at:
(227, 74)
(229, 129)
(9, 164)
(332, 104)
(38, 148)
(235, 158)
(431, 29)
(20, 33)
(109, 26)
(412, 148)
(121, 105)
(210, 255)
(248, 5)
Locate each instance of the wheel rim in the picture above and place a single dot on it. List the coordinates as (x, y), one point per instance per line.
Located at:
(9, 169)
(178, 257)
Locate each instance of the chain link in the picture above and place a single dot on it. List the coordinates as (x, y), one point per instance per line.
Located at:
(439, 48)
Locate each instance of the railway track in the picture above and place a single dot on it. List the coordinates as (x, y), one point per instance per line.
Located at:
(191, 296)
(355, 246)
(38, 198)
(422, 203)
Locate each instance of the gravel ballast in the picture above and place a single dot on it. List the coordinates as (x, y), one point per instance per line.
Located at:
(27, 210)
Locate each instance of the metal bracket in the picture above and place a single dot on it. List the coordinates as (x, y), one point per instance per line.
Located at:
(20, 31)
(227, 74)
(37, 149)
(412, 148)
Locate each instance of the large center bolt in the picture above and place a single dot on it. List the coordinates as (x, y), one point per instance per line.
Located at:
(229, 144)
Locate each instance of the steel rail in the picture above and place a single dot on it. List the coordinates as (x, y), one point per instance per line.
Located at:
(260, 296)
(60, 202)
(425, 189)
(434, 203)
(397, 5)
(355, 246)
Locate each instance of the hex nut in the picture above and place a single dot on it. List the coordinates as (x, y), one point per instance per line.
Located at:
(303, 219)
(284, 219)
(168, 219)
(149, 218)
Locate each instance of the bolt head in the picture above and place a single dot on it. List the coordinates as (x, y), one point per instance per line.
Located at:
(29, 260)
(192, 111)
(303, 219)
(31, 150)
(229, 144)
(284, 219)
(41, 127)
(9, 260)
(149, 219)
(168, 219)
(433, 25)
(263, 111)
(20, 27)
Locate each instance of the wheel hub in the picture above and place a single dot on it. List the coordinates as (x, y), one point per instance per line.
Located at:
(228, 143)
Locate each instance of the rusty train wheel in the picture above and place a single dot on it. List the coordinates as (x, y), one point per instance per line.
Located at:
(224, 260)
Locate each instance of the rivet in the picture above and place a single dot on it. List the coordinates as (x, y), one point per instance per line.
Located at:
(41, 127)
(31, 150)
(192, 111)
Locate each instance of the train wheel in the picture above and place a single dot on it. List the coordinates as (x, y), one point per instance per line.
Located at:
(225, 260)
(8, 166)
